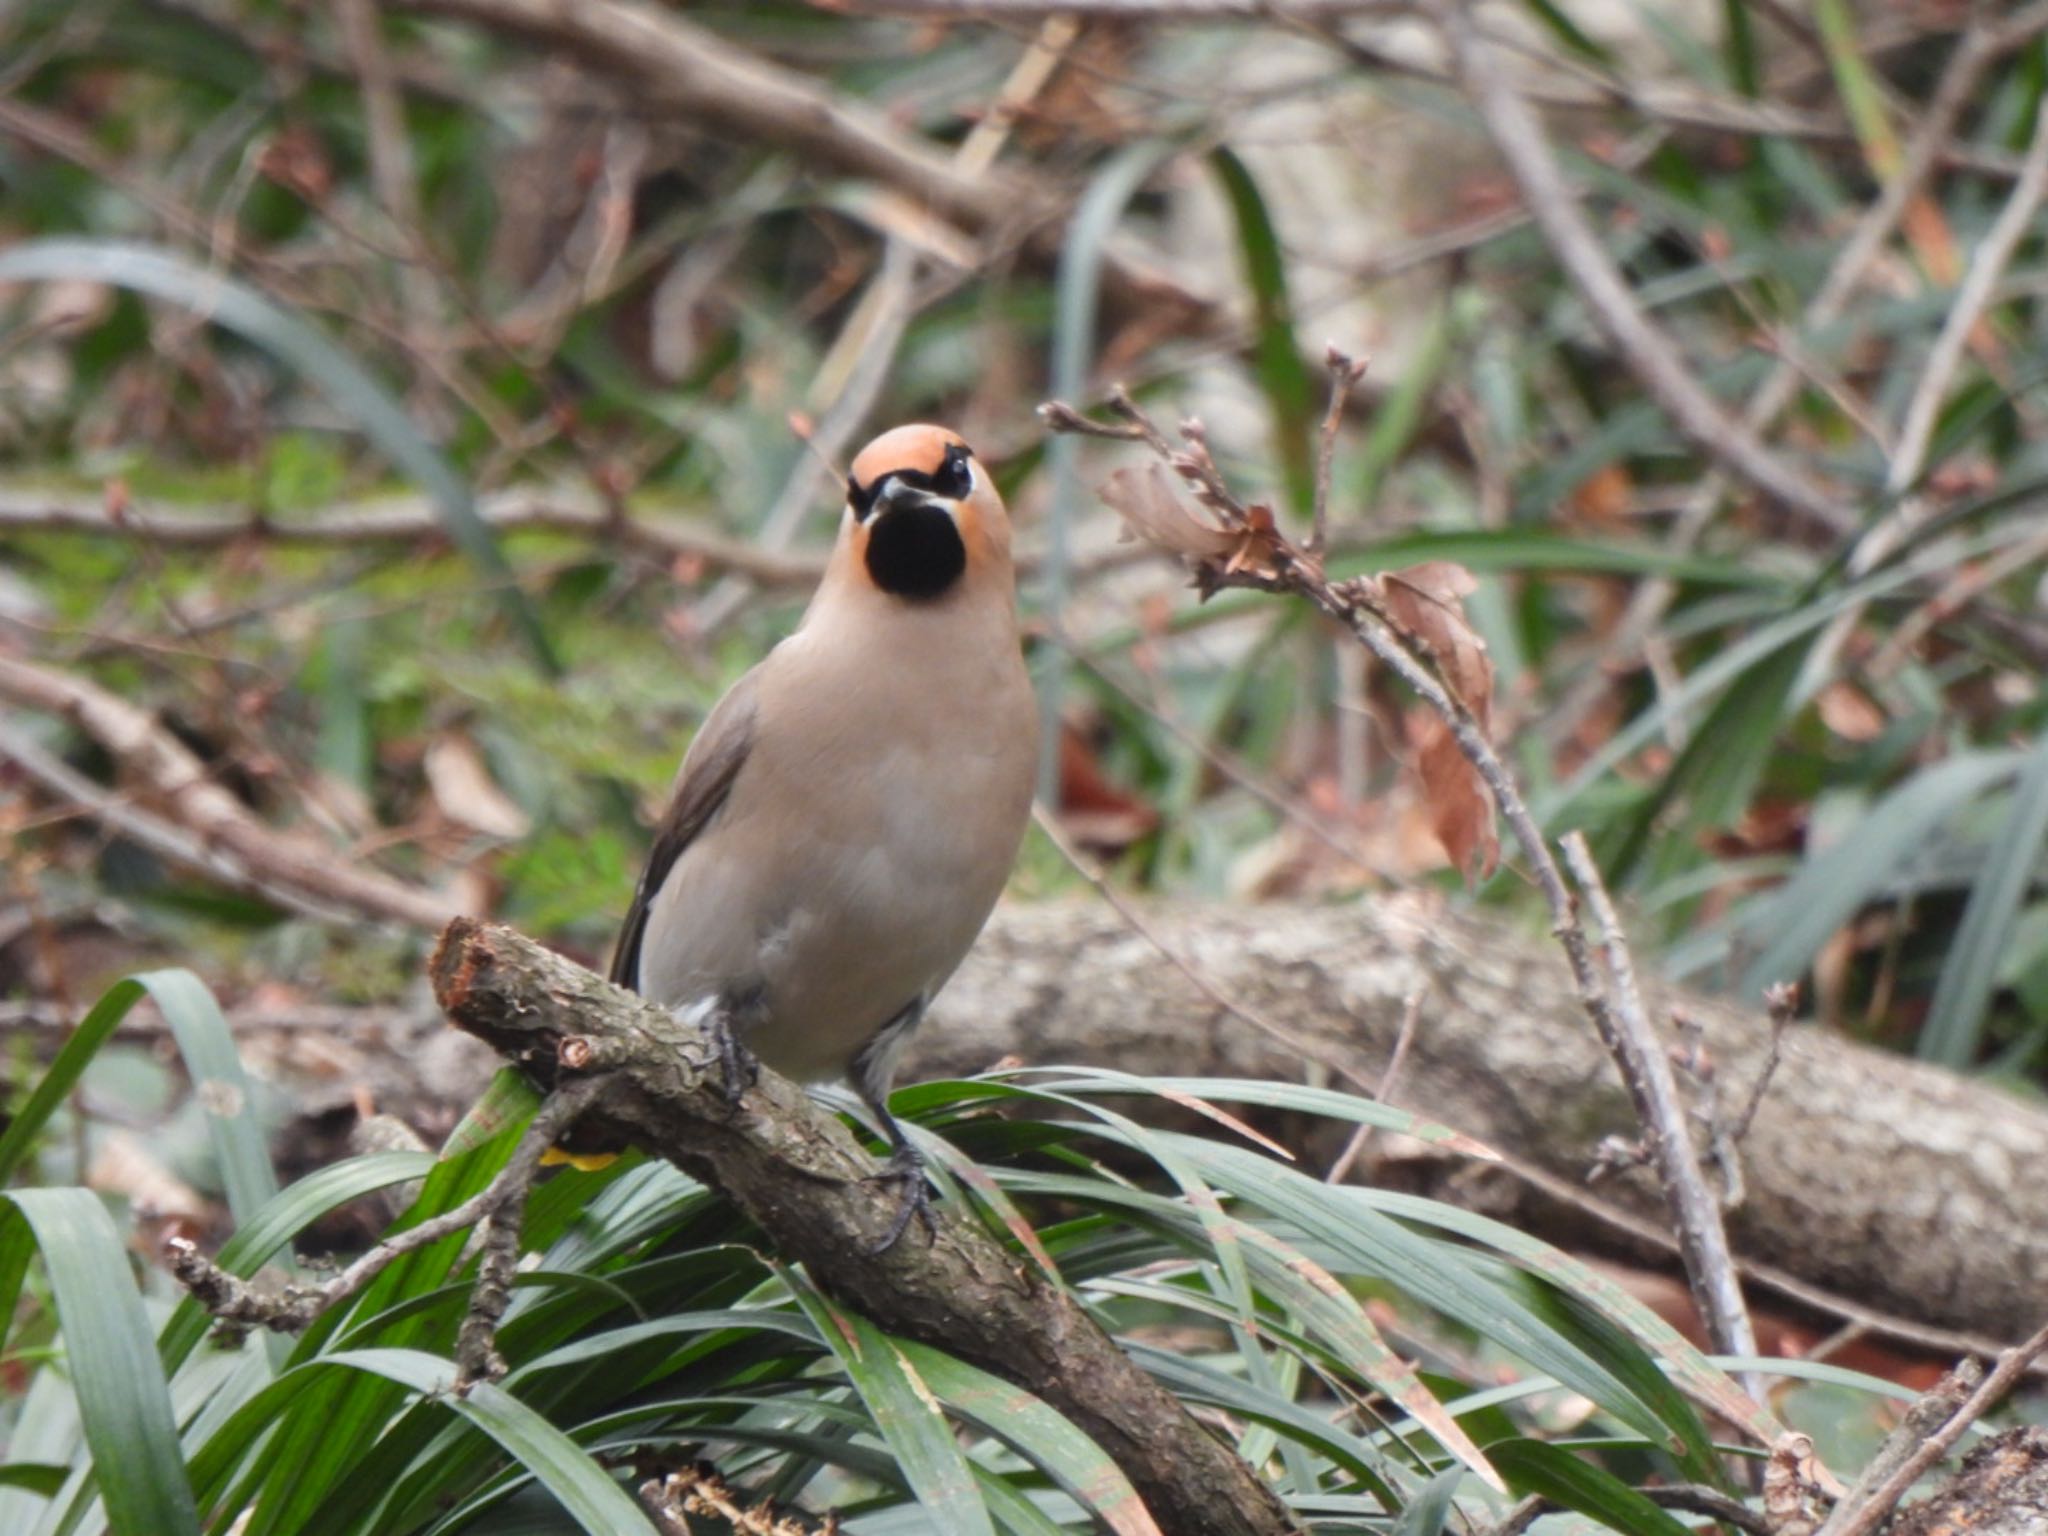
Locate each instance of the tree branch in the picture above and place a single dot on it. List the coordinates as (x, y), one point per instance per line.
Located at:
(674, 66)
(1866, 1508)
(797, 1172)
(172, 776)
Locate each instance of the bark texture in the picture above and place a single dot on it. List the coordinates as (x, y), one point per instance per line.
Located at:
(2002, 1490)
(798, 1173)
(1897, 1184)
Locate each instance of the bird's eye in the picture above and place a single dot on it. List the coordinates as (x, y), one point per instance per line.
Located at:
(954, 479)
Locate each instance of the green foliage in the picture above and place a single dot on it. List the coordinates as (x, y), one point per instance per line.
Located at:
(646, 1326)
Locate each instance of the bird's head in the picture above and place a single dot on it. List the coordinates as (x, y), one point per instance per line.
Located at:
(923, 519)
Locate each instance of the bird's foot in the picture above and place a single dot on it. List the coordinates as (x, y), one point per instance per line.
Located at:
(906, 1167)
(739, 1069)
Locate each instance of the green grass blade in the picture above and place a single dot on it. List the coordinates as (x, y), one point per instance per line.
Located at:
(588, 1492)
(906, 1413)
(223, 1088)
(1794, 921)
(1955, 1022)
(1283, 376)
(1041, 1434)
(1429, 1511)
(57, 1083)
(123, 1400)
(1533, 1466)
(38, 1477)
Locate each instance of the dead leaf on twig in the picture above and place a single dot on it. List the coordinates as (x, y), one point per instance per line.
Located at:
(1154, 513)
(1460, 809)
(1425, 605)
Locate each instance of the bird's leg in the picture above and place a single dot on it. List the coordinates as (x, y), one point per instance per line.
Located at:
(873, 1071)
(722, 1019)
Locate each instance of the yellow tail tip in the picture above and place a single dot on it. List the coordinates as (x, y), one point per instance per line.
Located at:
(582, 1162)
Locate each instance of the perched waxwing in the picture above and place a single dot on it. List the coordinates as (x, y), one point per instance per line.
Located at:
(850, 810)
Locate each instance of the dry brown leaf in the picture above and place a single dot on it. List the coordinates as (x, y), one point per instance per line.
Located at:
(465, 792)
(125, 1166)
(1256, 547)
(1425, 603)
(1460, 808)
(1153, 513)
(1847, 710)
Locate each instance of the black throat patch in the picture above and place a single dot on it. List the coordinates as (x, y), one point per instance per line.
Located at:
(915, 551)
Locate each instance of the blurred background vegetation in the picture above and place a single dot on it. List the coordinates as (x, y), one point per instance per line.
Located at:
(1801, 748)
(424, 411)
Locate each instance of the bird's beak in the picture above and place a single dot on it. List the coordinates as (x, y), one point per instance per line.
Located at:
(895, 496)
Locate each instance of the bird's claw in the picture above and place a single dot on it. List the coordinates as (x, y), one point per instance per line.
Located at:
(738, 1068)
(906, 1167)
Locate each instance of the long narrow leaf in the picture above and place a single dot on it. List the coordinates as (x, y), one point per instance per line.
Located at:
(123, 1400)
(1955, 1023)
(70, 1065)
(906, 1413)
(208, 1047)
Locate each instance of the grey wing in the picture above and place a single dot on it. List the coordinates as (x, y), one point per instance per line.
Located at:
(709, 768)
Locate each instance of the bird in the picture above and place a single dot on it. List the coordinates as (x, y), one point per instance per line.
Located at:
(850, 810)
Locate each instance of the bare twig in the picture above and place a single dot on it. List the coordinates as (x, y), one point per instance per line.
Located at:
(1644, 1067)
(1781, 1002)
(1953, 93)
(675, 67)
(1987, 265)
(1856, 1516)
(238, 1304)
(658, 534)
(1344, 376)
(167, 840)
(1411, 1015)
(1709, 1267)
(701, 1491)
(391, 164)
(1090, 871)
(554, 509)
(179, 782)
(1649, 353)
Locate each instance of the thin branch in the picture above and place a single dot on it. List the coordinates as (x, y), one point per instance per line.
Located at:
(1092, 872)
(1696, 1214)
(1987, 266)
(1781, 1002)
(167, 840)
(661, 535)
(1649, 353)
(672, 66)
(1866, 1508)
(236, 1303)
(1344, 377)
(673, 1499)
(316, 875)
(1644, 1067)
(1953, 93)
(1411, 1015)
(397, 519)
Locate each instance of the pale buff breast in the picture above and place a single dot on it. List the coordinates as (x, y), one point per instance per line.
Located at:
(858, 855)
